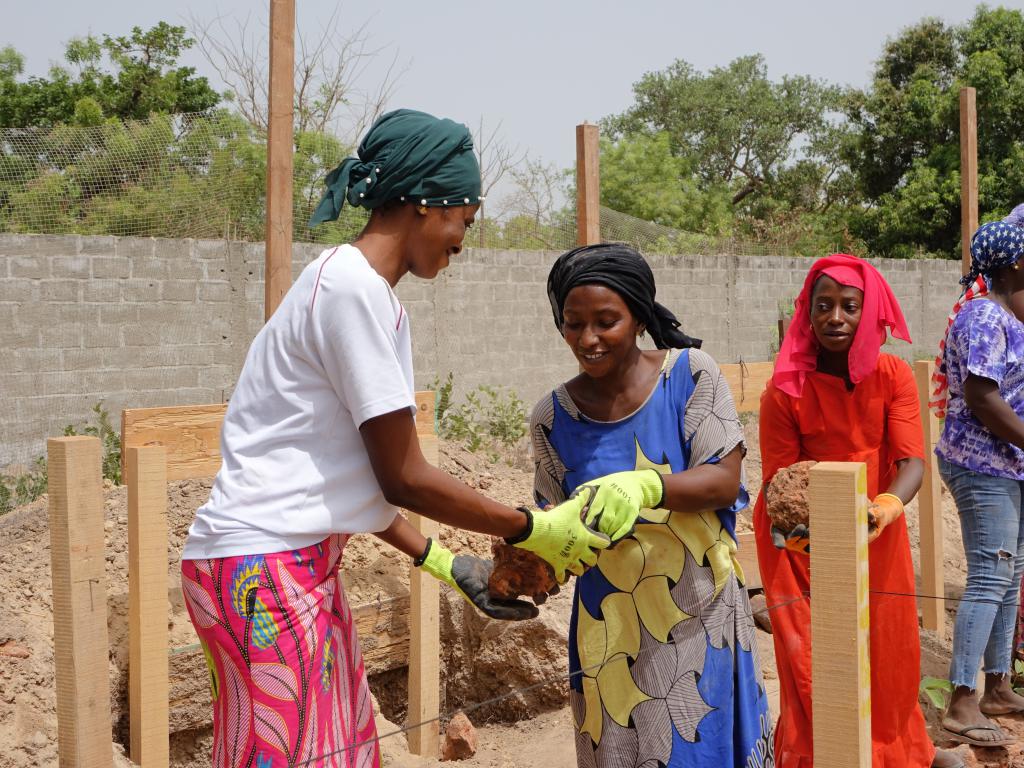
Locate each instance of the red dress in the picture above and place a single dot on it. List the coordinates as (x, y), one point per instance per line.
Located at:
(877, 423)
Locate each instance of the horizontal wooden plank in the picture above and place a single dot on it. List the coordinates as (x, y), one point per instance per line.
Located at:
(383, 630)
(190, 433)
(746, 382)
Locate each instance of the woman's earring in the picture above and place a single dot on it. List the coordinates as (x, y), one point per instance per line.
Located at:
(423, 210)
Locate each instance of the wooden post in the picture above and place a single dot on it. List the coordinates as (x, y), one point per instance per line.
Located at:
(840, 660)
(424, 624)
(148, 684)
(78, 562)
(588, 186)
(929, 505)
(280, 142)
(968, 174)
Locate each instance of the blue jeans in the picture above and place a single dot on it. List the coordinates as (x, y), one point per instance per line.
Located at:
(993, 532)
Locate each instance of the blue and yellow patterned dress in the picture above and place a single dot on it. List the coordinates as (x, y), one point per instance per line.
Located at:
(662, 654)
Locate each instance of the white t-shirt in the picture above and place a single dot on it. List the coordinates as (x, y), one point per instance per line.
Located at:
(336, 353)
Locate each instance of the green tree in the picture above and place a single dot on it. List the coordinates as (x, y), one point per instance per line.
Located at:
(732, 125)
(126, 77)
(641, 176)
(732, 152)
(903, 148)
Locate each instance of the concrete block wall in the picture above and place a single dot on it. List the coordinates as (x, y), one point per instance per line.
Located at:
(140, 322)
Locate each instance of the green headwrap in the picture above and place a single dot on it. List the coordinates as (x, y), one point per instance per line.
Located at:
(405, 155)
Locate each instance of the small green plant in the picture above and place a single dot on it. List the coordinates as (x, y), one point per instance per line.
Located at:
(110, 440)
(490, 418)
(22, 487)
(18, 488)
(937, 691)
(443, 393)
(1018, 674)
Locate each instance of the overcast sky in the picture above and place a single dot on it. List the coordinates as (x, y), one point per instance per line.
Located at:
(538, 68)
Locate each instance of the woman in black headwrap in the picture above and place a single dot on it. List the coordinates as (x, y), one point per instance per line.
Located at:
(662, 655)
(319, 443)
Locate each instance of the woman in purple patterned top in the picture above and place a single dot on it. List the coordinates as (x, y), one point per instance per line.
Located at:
(981, 460)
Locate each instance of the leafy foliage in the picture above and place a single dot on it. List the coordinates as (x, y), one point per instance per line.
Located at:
(21, 487)
(490, 418)
(801, 162)
(110, 441)
(903, 145)
(140, 76)
(937, 691)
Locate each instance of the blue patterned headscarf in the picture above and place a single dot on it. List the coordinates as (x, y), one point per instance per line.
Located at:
(995, 245)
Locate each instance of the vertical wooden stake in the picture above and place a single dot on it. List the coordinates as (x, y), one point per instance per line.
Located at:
(929, 504)
(588, 186)
(78, 562)
(968, 174)
(840, 660)
(148, 685)
(424, 623)
(280, 142)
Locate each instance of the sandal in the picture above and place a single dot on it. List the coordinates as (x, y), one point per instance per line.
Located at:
(959, 732)
(1005, 709)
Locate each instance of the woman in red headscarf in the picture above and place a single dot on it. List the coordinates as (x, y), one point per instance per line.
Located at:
(835, 397)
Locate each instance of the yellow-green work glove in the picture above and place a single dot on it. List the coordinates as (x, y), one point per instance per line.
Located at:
(559, 536)
(468, 575)
(619, 497)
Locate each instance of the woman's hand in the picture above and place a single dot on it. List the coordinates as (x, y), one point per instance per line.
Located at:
(559, 536)
(885, 509)
(618, 499)
(468, 575)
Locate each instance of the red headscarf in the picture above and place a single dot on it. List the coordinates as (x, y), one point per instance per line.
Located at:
(799, 353)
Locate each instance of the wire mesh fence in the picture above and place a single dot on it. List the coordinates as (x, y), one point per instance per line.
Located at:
(197, 176)
(203, 176)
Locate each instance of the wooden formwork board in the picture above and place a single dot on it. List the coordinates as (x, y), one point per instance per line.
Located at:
(190, 438)
(424, 624)
(929, 505)
(147, 606)
(190, 434)
(78, 571)
(840, 660)
(746, 382)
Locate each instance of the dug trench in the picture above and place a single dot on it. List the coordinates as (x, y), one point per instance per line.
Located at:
(481, 660)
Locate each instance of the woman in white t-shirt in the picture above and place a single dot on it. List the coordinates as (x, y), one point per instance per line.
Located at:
(318, 443)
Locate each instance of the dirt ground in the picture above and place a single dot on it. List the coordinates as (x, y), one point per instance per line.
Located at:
(528, 732)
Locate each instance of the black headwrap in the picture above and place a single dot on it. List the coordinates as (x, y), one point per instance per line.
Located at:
(624, 271)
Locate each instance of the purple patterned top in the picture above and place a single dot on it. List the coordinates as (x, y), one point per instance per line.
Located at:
(987, 341)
